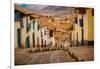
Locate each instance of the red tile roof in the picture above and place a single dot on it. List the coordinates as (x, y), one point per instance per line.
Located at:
(22, 10)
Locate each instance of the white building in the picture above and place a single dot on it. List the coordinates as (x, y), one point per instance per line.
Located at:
(51, 38)
(22, 19)
(16, 33)
(37, 32)
(44, 36)
(26, 29)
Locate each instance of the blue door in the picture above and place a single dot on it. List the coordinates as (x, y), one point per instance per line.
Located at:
(27, 42)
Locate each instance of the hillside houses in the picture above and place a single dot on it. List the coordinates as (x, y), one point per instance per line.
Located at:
(36, 30)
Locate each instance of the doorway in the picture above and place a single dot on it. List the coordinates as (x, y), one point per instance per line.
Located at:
(33, 40)
(27, 42)
(18, 38)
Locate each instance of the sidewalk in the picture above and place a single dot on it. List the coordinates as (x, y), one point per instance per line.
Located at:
(84, 53)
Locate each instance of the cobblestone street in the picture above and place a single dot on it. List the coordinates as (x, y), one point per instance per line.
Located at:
(42, 57)
(22, 57)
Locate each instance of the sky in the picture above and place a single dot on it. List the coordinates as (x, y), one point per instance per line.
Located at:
(48, 9)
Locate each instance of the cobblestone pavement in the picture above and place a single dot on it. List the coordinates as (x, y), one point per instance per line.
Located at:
(56, 56)
(22, 57)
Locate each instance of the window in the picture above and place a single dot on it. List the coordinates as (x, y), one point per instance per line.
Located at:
(52, 20)
(51, 33)
(27, 24)
(38, 26)
(44, 31)
(71, 27)
(33, 25)
(66, 19)
(81, 21)
(92, 12)
(76, 20)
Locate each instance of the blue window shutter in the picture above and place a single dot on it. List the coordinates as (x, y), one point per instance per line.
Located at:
(81, 21)
(17, 16)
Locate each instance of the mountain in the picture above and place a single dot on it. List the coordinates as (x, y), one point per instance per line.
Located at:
(34, 7)
(59, 10)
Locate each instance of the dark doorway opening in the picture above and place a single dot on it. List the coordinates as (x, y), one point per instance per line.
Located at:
(45, 43)
(33, 40)
(82, 36)
(51, 33)
(42, 42)
(77, 39)
(27, 42)
(18, 38)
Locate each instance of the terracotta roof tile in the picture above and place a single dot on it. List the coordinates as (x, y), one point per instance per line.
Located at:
(22, 10)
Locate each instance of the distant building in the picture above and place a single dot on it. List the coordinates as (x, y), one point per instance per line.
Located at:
(58, 35)
(62, 38)
(44, 37)
(66, 42)
(47, 25)
(51, 38)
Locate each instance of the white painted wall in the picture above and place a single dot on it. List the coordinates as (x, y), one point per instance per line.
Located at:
(37, 32)
(45, 37)
(51, 39)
